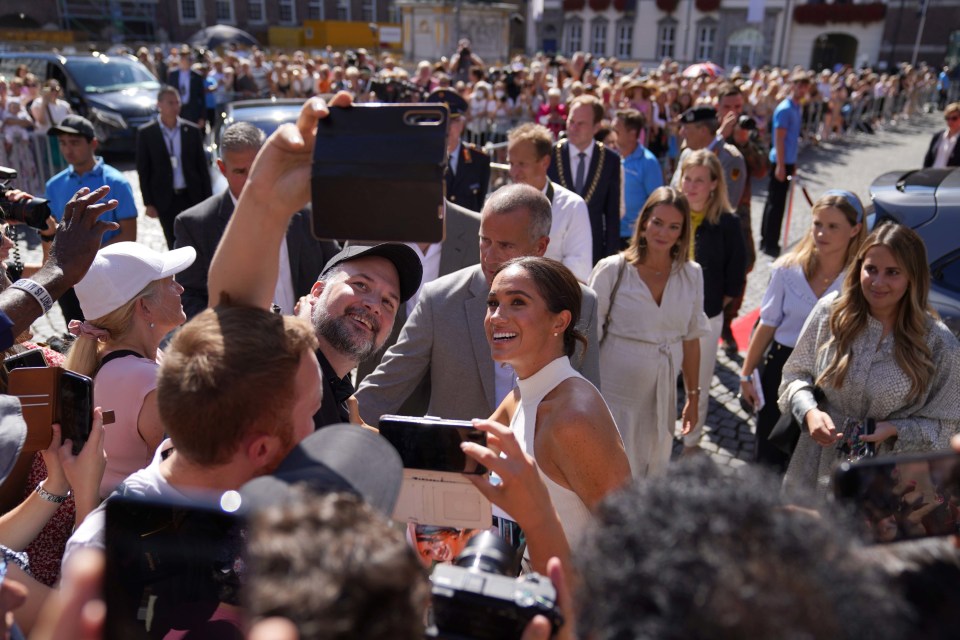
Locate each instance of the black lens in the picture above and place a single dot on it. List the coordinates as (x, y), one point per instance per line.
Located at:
(488, 553)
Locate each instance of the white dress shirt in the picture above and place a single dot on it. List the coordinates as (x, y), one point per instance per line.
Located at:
(575, 163)
(283, 294)
(455, 159)
(571, 239)
(947, 143)
(171, 138)
(430, 261)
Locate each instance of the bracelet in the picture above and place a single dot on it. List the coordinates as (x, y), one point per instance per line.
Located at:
(693, 392)
(48, 238)
(35, 289)
(50, 497)
(746, 378)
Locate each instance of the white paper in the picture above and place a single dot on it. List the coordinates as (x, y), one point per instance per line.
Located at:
(757, 389)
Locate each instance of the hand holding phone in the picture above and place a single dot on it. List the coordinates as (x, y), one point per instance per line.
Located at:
(903, 497)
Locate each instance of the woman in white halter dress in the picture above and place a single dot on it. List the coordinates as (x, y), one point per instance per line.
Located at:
(557, 416)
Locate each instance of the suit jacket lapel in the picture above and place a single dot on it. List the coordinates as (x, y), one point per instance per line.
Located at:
(453, 245)
(294, 235)
(567, 165)
(476, 309)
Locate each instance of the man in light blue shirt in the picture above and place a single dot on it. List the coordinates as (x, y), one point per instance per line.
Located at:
(78, 144)
(787, 120)
(641, 170)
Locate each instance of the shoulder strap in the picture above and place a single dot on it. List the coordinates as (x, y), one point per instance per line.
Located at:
(114, 355)
(613, 296)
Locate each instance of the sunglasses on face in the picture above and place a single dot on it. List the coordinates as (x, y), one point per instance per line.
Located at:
(952, 118)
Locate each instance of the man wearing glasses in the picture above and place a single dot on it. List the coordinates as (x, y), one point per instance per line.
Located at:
(944, 150)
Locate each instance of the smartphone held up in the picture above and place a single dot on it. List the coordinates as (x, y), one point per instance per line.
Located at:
(378, 173)
(903, 497)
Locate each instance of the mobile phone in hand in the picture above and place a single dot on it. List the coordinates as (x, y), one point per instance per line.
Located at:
(903, 497)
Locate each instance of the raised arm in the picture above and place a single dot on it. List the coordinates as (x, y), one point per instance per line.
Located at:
(245, 266)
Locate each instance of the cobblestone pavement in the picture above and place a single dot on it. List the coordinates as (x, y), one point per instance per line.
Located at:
(851, 163)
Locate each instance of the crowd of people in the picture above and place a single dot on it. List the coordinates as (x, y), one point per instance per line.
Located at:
(226, 364)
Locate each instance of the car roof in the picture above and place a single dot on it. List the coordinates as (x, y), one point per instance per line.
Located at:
(916, 197)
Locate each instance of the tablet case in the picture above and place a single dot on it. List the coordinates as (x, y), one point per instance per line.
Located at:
(378, 173)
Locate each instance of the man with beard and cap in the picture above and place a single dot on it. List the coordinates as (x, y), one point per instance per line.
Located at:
(353, 304)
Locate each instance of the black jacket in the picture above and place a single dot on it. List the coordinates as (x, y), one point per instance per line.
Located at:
(952, 161)
(156, 173)
(601, 192)
(468, 187)
(720, 251)
(202, 227)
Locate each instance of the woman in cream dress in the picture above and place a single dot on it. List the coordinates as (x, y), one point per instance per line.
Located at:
(651, 322)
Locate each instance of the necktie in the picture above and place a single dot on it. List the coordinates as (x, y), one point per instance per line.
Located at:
(450, 165)
(184, 87)
(581, 171)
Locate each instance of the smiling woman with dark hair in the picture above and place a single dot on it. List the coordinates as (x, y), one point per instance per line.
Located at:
(558, 417)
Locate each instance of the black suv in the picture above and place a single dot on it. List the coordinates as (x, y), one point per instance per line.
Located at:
(116, 93)
(928, 201)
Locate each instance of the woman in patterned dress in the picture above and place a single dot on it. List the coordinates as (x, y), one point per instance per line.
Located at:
(876, 350)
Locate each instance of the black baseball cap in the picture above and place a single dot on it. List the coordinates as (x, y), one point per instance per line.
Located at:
(336, 459)
(409, 268)
(698, 114)
(75, 126)
(454, 101)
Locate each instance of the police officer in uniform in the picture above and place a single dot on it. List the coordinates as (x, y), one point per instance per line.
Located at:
(468, 168)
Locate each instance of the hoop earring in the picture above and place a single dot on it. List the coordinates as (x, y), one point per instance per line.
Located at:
(675, 251)
(642, 242)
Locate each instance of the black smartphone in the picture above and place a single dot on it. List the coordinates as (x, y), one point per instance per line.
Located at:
(173, 569)
(433, 444)
(903, 497)
(377, 173)
(75, 408)
(30, 358)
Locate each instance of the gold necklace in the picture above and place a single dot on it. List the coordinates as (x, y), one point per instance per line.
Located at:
(598, 148)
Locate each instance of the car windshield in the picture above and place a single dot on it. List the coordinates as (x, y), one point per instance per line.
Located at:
(103, 74)
(267, 117)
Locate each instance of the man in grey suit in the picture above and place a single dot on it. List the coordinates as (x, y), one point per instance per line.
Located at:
(444, 341)
(458, 250)
(202, 226)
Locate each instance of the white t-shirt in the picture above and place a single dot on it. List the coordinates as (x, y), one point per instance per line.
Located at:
(146, 482)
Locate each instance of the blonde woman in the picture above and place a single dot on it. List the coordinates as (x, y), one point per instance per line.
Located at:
(814, 269)
(717, 246)
(656, 281)
(133, 302)
(876, 351)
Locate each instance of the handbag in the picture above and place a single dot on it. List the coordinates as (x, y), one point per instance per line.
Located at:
(786, 433)
(613, 295)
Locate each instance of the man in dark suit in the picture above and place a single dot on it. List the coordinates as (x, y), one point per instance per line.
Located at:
(468, 168)
(170, 163)
(457, 251)
(592, 171)
(191, 87)
(202, 226)
(944, 150)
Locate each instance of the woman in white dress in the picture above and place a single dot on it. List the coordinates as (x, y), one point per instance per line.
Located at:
(557, 416)
(650, 303)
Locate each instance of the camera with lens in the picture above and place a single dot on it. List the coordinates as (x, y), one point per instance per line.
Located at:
(478, 598)
(33, 211)
(394, 90)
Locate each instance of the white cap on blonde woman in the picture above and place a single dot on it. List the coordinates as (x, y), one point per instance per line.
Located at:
(122, 270)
